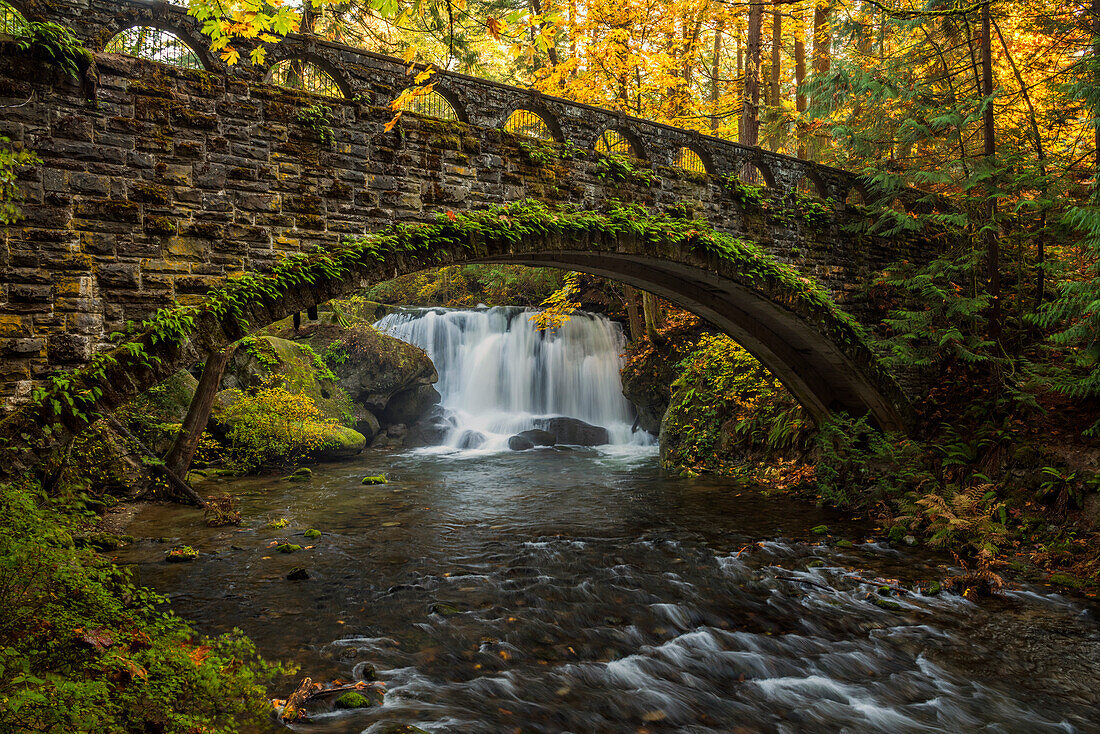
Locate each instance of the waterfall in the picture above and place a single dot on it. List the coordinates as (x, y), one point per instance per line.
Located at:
(498, 374)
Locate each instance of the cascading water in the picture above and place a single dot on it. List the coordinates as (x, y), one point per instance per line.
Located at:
(499, 375)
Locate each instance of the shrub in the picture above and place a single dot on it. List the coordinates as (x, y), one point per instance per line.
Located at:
(272, 426)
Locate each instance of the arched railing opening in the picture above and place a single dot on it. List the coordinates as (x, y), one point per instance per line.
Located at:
(304, 75)
(431, 104)
(154, 44)
(854, 198)
(613, 142)
(689, 160)
(808, 187)
(529, 124)
(11, 21)
(751, 174)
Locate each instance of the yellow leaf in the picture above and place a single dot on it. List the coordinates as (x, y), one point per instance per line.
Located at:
(410, 52)
(230, 55)
(390, 125)
(423, 76)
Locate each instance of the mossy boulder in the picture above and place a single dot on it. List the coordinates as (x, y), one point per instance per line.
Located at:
(301, 474)
(353, 700)
(341, 442)
(301, 369)
(379, 479)
(312, 533)
(288, 548)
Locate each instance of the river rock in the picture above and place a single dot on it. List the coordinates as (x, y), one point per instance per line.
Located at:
(574, 431)
(471, 440)
(430, 430)
(341, 442)
(520, 443)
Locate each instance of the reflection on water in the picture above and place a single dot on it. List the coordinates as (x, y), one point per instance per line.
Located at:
(583, 591)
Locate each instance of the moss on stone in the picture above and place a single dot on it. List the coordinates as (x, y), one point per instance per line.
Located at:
(353, 700)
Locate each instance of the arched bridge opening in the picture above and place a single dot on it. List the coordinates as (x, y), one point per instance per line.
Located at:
(790, 325)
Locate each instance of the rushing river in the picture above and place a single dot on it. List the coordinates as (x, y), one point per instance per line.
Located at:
(583, 590)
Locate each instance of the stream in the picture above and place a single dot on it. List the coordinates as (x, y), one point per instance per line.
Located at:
(571, 589)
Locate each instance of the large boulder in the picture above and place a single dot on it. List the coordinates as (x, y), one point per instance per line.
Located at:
(408, 406)
(340, 442)
(530, 439)
(574, 431)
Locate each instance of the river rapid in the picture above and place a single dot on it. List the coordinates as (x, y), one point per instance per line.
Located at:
(570, 589)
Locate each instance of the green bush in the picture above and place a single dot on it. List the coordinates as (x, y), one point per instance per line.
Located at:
(82, 648)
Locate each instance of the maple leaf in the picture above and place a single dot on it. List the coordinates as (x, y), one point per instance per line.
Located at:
(390, 125)
(495, 28)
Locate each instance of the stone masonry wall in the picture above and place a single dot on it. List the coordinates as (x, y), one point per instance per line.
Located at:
(164, 181)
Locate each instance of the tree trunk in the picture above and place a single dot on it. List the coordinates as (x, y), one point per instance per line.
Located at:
(198, 413)
(633, 314)
(750, 107)
(653, 318)
(773, 77)
(716, 70)
(800, 76)
(989, 150)
(823, 54)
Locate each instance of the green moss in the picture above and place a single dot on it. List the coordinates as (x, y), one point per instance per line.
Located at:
(893, 606)
(1064, 579)
(845, 544)
(282, 522)
(820, 529)
(312, 533)
(303, 474)
(815, 564)
(288, 548)
(181, 554)
(159, 225)
(353, 700)
(380, 479)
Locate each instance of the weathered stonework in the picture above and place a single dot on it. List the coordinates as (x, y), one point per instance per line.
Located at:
(170, 180)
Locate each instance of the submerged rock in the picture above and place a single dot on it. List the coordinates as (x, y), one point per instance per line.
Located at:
(573, 431)
(288, 548)
(312, 533)
(181, 555)
(302, 474)
(297, 574)
(379, 479)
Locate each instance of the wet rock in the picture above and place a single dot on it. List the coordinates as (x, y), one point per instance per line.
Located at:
(398, 729)
(297, 574)
(573, 431)
(910, 540)
(471, 440)
(819, 529)
(815, 564)
(302, 474)
(445, 609)
(312, 533)
(380, 479)
(520, 443)
(845, 544)
(531, 438)
(288, 548)
(893, 606)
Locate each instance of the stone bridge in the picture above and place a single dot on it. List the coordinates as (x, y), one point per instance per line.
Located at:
(159, 182)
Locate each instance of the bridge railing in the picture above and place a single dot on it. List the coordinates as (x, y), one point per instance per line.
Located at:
(359, 76)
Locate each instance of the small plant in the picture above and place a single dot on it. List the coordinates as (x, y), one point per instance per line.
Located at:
(57, 45)
(540, 153)
(181, 555)
(747, 195)
(11, 161)
(316, 118)
(614, 167)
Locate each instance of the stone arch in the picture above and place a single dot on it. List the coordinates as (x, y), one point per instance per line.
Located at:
(326, 79)
(756, 173)
(526, 120)
(809, 184)
(620, 140)
(856, 196)
(818, 352)
(692, 159)
(169, 47)
(441, 95)
(126, 21)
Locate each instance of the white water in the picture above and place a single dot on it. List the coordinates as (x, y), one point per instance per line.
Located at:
(498, 374)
